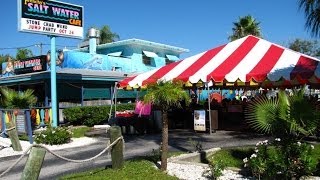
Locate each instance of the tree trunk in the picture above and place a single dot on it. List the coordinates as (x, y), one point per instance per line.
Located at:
(164, 146)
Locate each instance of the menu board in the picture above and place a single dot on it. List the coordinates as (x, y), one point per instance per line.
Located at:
(21, 122)
(200, 120)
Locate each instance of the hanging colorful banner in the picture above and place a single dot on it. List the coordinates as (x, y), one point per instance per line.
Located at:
(50, 17)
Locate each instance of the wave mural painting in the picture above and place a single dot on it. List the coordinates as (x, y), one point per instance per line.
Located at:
(80, 60)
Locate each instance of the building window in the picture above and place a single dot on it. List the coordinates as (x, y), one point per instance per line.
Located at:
(171, 58)
(115, 54)
(146, 60)
(168, 61)
(147, 56)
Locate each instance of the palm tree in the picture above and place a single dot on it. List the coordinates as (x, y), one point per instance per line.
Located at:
(165, 95)
(106, 35)
(23, 53)
(285, 116)
(246, 25)
(11, 99)
(311, 9)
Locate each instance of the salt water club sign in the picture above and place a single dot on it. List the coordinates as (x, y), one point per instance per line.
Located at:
(50, 17)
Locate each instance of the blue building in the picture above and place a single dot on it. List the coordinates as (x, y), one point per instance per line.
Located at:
(86, 76)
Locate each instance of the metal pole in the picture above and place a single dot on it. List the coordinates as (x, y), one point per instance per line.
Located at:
(46, 99)
(29, 127)
(210, 129)
(40, 49)
(115, 98)
(53, 82)
(82, 94)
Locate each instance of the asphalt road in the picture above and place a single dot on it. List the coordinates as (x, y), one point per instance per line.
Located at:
(135, 145)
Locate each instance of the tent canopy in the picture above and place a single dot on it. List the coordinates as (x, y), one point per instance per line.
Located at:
(249, 61)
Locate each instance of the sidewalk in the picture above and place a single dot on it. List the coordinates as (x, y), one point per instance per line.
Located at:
(135, 145)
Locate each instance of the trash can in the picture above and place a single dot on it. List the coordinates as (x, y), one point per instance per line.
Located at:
(157, 120)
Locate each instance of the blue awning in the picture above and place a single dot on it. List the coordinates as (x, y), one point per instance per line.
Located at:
(172, 57)
(150, 54)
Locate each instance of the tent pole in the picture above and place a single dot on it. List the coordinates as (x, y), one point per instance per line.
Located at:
(112, 97)
(137, 95)
(115, 99)
(209, 106)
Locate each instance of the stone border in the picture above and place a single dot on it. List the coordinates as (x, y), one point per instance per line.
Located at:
(183, 158)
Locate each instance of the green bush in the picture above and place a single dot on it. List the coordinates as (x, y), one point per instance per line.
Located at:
(216, 169)
(74, 115)
(91, 115)
(53, 136)
(285, 159)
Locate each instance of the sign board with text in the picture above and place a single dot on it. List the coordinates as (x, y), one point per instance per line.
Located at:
(50, 17)
(21, 122)
(29, 65)
(199, 120)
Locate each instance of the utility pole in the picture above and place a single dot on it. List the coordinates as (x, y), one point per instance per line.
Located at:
(40, 49)
(40, 46)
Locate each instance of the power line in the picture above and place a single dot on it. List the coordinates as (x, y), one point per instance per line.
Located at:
(22, 47)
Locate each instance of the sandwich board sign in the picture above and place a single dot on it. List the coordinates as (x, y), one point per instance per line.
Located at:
(199, 120)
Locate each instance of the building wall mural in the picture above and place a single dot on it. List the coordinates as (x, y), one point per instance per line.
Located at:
(130, 64)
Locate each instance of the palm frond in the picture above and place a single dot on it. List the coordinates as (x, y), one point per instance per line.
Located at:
(284, 115)
(13, 99)
(166, 94)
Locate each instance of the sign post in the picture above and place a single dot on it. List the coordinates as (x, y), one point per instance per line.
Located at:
(53, 18)
(53, 77)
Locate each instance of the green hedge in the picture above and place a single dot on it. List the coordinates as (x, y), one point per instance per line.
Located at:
(91, 115)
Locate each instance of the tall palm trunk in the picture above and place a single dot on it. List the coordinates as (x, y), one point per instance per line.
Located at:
(164, 146)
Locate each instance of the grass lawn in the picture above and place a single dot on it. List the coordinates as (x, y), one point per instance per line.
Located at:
(232, 157)
(133, 169)
(138, 168)
(79, 131)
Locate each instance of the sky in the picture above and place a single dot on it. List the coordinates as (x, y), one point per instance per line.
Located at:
(195, 25)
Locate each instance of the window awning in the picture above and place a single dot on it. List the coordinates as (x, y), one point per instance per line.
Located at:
(150, 54)
(117, 54)
(172, 57)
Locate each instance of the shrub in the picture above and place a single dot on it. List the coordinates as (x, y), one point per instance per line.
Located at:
(155, 155)
(74, 115)
(285, 159)
(197, 145)
(53, 136)
(91, 115)
(216, 169)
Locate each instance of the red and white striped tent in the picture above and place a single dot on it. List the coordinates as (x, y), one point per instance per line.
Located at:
(249, 61)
